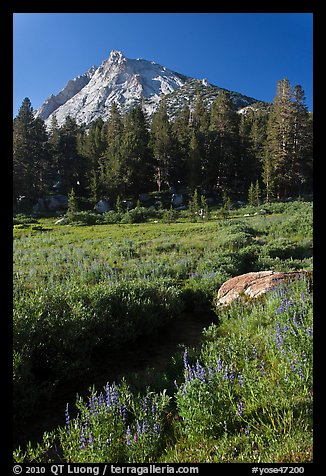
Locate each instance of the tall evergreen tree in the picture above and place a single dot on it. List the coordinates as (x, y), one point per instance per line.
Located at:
(30, 153)
(252, 135)
(92, 147)
(54, 142)
(136, 166)
(224, 143)
(302, 148)
(71, 163)
(182, 133)
(194, 176)
(288, 148)
(110, 165)
(278, 148)
(163, 147)
(199, 118)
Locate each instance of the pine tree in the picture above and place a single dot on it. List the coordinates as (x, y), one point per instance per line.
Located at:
(204, 208)
(199, 122)
(288, 146)
(257, 193)
(72, 204)
(72, 165)
(199, 119)
(301, 164)
(182, 132)
(110, 165)
(54, 140)
(136, 166)
(31, 157)
(193, 165)
(163, 146)
(193, 205)
(252, 135)
(251, 194)
(278, 148)
(224, 143)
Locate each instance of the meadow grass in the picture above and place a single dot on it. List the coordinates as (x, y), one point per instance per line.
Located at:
(77, 288)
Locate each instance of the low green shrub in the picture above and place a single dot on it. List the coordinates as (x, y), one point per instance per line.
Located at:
(56, 329)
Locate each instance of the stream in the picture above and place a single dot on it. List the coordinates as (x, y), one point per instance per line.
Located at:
(143, 362)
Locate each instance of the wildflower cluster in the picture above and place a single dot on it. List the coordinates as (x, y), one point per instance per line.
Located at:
(292, 326)
(243, 385)
(116, 426)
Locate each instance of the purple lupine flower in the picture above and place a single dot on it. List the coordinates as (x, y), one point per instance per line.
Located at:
(293, 365)
(240, 379)
(91, 438)
(139, 428)
(219, 365)
(300, 373)
(156, 428)
(145, 427)
(128, 436)
(200, 372)
(226, 375)
(114, 398)
(83, 441)
(295, 323)
(90, 405)
(254, 352)
(262, 367)
(231, 376)
(123, 412)
(240, 408)
(309, 331)
(185, 359)
(107, 395)
(190, 375)
(101, 399)
(153, 408)
(67, 418)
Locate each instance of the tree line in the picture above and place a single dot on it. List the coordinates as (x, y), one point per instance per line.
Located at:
(214, 149)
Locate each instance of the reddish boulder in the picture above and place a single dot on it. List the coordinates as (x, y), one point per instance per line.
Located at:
(253, 284)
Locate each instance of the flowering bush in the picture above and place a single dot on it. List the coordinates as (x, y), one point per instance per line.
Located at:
(257, 379)
(114, 426)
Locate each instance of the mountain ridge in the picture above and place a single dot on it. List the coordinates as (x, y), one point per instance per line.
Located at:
(128, 82)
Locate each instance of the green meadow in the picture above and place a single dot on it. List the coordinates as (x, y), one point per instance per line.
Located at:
(244, 394)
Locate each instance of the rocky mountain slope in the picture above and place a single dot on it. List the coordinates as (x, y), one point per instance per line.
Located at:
(128, 82)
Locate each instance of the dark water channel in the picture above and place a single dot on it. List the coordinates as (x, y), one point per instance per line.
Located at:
(145, 362)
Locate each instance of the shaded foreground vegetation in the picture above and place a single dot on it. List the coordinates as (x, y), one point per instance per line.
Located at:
(244, 395)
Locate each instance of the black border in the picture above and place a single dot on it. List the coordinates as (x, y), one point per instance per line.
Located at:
(6, 42)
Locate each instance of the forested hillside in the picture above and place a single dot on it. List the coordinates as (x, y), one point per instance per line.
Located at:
(215, 150)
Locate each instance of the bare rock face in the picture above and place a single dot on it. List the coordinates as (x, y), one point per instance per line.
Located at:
(253, 284)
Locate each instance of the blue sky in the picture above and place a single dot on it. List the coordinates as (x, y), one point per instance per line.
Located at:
(243, 52)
